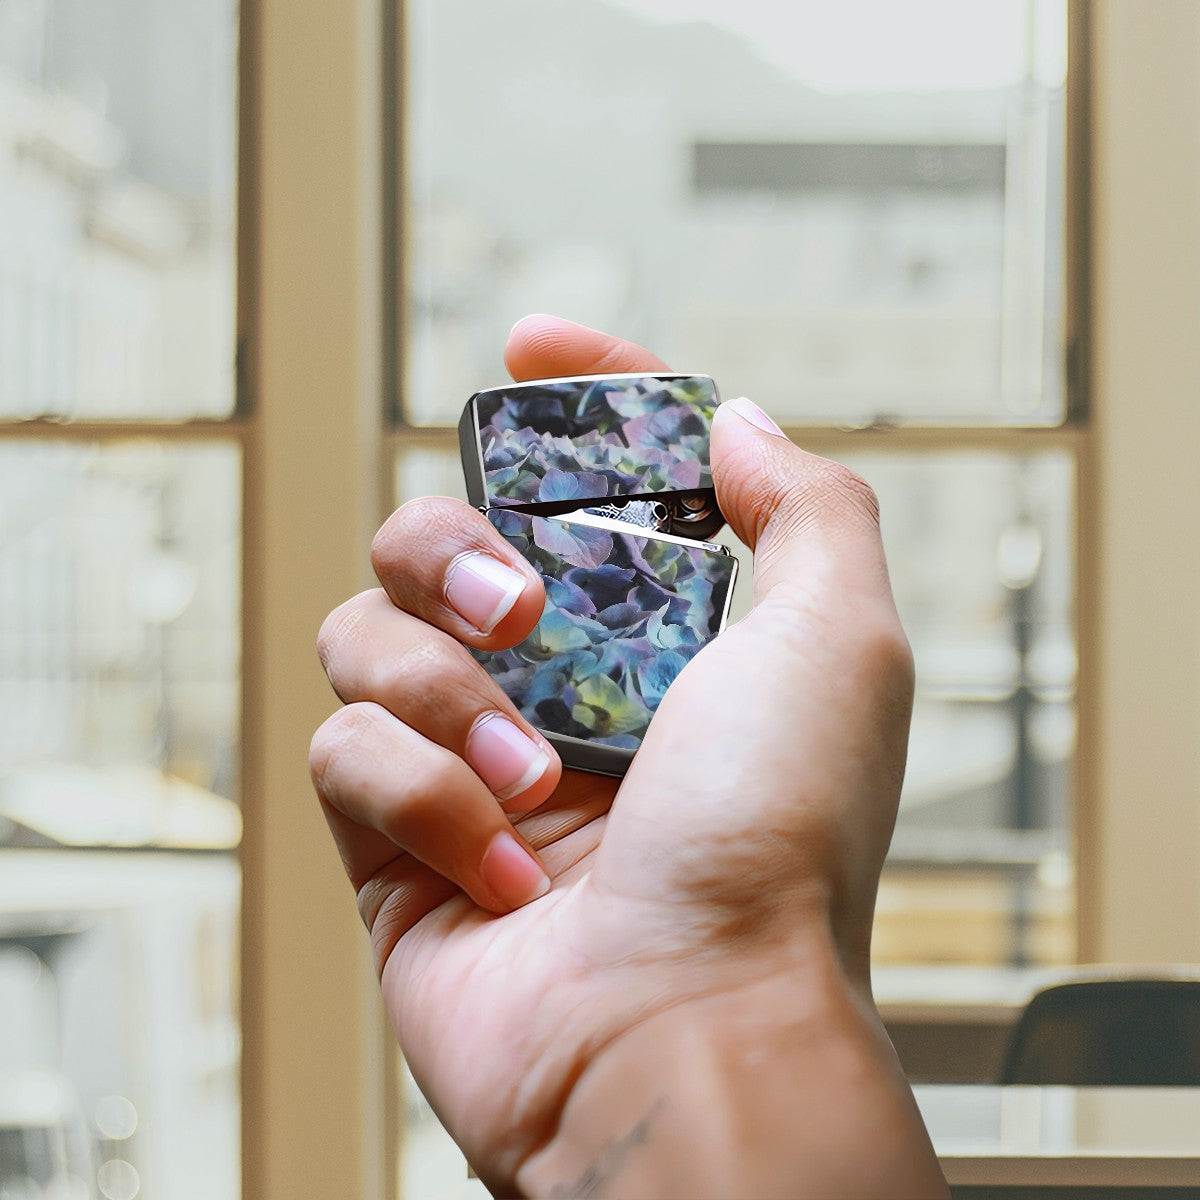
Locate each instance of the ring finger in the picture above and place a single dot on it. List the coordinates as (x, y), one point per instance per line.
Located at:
(374, 652)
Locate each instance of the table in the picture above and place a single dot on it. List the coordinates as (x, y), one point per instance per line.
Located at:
(951, 1024)
(1018, 1141)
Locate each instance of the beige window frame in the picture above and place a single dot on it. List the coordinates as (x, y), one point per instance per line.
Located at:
(319, 1069)
(319, 1082)
(1138, 808)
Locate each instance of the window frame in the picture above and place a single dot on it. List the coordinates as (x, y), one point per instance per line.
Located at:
(1116, 68)
(317, 1053)
(1072, 437)
(1114, 71)
(1138, 851)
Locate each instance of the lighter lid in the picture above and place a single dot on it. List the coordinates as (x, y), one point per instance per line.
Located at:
(552, 445)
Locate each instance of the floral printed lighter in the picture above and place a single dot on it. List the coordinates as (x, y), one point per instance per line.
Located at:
(603, 484)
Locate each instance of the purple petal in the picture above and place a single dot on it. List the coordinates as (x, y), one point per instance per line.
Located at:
(580, 545)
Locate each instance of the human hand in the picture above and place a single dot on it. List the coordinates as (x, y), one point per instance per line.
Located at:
(687, 1008)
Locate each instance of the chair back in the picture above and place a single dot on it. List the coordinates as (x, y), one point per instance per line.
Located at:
(1115, 1032)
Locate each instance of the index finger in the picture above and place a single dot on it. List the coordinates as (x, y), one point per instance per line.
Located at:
(543, 347)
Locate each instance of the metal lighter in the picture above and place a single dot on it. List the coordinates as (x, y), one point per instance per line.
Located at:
(603, 484)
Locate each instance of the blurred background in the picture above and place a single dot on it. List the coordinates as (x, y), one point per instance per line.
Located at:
(252, 262)
(120, 581)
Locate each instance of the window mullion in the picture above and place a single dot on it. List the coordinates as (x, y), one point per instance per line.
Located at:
(315, 1060)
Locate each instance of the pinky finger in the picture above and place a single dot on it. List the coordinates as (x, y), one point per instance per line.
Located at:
(389, 791)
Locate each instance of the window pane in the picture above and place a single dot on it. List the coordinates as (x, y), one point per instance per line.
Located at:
(119, 885)
(849, 230)
(117, 208)
(981, 552)
(119, 578)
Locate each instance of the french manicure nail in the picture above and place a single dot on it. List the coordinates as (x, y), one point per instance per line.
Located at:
(504, 757)
(750, 411)
(481, 589)
(511, 872)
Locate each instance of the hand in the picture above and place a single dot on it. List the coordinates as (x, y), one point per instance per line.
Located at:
(686, 1010)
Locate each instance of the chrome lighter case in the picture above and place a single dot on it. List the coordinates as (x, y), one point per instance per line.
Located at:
(603, 484)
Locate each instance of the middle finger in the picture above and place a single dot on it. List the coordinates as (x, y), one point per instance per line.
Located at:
(442, 561)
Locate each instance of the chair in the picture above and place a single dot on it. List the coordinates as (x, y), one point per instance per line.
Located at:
(1116, 1032)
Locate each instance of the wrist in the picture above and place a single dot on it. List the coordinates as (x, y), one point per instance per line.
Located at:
(764, 1090)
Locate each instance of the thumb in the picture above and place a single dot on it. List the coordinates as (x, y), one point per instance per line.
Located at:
(811, 522)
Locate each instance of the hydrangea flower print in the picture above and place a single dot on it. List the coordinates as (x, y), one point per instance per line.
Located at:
(619, 436)
(623, 616)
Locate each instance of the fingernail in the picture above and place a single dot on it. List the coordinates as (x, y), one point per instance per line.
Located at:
(513, 875)
(750, 411)
(505, 758)
(481, 589)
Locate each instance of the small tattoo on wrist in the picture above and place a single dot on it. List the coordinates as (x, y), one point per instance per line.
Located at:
(610, 1160)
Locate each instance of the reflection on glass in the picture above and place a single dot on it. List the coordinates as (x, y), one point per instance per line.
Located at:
(116, 208)
(981, 868)
(846, 236)
(120, 594)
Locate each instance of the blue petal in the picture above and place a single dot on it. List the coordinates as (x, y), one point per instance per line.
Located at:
(626, 619)
(605, 585)
(657, 674)
(571, 485)
(567, 595)
(559, 631)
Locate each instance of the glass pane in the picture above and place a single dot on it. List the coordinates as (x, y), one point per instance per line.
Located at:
(119, 884)
(117, 169)
(847, 229)
(981, 551)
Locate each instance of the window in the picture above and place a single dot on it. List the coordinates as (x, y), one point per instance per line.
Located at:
(855, 216)
(870, 247)
(143, 445)
(120, 581)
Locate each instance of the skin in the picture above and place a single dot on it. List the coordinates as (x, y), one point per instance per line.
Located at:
(688, 1010)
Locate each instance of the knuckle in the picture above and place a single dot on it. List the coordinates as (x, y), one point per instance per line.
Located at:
(342, 733)
(423, 674)
(794, 494)
(414, 523)
(386, 547)
(320, 756)
(341, 627)
(846, 492)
